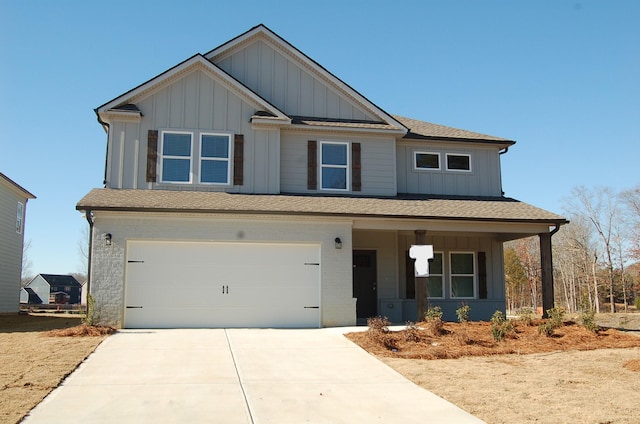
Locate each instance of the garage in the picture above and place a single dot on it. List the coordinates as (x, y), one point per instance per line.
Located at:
(191, 284)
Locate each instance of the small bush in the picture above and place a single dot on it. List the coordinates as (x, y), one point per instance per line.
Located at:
(637, 303)
(90, 318)
(525, 315)
(500, 326)
(554, 321)
(463, 313)
(433, 320)
(378, 324)
(588, 318)
(412, 333)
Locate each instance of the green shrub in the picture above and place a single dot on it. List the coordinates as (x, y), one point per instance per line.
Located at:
(433, 320)
(463, 313)
(553, 321)
(588, 318)
(90, 318)
(525, 315)
(637, 303)
(500, 326)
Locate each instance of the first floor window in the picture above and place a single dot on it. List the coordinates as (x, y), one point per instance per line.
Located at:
(435, 281)
(214, 158)
(462, 271)
(334, 164)
(19, 218)
(176, 157)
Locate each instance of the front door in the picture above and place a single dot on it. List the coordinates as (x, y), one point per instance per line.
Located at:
(365, 283)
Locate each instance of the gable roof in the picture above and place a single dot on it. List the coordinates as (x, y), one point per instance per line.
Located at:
(289, 50)
(60, 280)
(420, 130)
(125, 102)
(8, 182)
(500, 209)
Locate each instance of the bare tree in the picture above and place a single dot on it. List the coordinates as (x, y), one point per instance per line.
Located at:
(26, 274)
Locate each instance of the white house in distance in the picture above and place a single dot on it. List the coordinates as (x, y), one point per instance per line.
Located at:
(251, 187)
(13, 208)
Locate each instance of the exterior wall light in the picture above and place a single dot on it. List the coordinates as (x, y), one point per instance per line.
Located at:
(338, 243)
(107, 239)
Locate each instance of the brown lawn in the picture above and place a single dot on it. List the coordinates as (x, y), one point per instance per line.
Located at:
(572, 376)
(34, 361)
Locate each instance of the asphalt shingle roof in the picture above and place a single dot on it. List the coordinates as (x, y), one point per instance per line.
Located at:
(427, 130)
(413, 207)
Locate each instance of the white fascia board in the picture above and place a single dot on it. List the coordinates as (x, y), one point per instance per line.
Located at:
(196, 60)
(294, 53)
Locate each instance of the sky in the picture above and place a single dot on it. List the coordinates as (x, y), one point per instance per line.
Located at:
(561, 78)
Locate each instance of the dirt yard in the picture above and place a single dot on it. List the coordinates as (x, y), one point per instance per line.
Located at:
(34, 362)
(572, 376)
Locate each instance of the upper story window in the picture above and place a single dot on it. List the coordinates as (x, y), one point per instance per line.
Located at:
(458, 162)
(426, 160)
(176, 152)
(20, 218)
(462, 273)
(214, 158)
(205, 155)
(334, 163)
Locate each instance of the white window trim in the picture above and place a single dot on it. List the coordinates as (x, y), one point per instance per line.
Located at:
(415, 161)
(347, 167)
(163, 156)
(20, 218)
(457, 154)
(475, 277)
(440, 275)
(228, 159)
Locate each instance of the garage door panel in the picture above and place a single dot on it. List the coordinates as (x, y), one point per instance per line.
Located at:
(222, 285)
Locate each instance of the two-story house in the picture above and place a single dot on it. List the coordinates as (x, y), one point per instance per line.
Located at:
(251, 187)
(13, 208)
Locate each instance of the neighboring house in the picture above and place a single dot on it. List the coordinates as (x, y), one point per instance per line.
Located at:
(52, 288)
(13, 208)
(250, 187)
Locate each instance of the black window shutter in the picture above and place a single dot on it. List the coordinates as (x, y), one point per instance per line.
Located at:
(152, 155)
(356, 168)
(238, 159)
(482, 275)
(312, 165)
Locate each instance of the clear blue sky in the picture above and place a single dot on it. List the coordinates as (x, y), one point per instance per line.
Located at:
(562, 78)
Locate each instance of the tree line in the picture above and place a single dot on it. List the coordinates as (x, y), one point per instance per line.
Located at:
(596, 257)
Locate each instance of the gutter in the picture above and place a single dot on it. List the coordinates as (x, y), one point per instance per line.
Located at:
(106, 127)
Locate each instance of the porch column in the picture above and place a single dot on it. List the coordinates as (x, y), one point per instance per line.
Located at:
(546, 266)
(421, 282)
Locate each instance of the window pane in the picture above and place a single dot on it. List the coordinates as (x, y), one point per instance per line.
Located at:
(460, 162)
(214, 171)
(434, 286)
(334, 154)
(176, 144)
(335, 178)
(462, 263)
(462, 287)
(427, 161)
(176, 170)
(215, 146)
(435, 264)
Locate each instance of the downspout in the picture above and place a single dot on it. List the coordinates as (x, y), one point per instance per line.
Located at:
(89, 216)
(500, 153)
(555, 230)
(105, 126)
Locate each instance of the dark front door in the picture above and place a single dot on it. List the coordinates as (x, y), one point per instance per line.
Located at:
(365, 283)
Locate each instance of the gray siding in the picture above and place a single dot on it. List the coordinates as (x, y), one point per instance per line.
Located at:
(483, 180)
(377, 156)
(10, 250)
(194, 102)
(286, 84)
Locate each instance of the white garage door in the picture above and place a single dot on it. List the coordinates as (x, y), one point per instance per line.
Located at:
(172, 284)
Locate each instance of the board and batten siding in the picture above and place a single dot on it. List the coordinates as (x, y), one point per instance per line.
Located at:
(286, 84)
(483, 180)
(194, 102)
(11, 243)
(378, 173)
(109, 262)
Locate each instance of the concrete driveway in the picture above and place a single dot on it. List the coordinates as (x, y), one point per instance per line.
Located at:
(239, 376)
